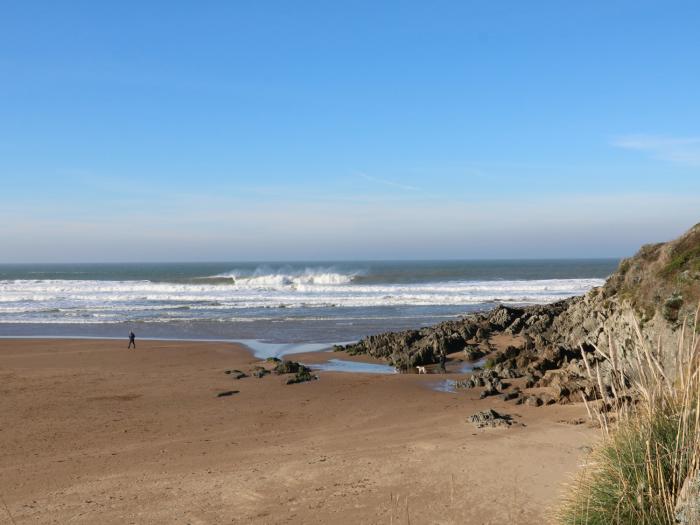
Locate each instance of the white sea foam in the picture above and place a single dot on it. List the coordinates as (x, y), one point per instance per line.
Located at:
(266, 278)
(88, 301)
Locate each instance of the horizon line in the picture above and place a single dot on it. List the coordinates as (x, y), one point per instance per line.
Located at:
(297, 261)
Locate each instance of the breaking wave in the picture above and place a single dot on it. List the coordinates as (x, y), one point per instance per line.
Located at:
(266, 278)
(94, 301)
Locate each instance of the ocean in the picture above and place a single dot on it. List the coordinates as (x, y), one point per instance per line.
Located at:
(276, 303)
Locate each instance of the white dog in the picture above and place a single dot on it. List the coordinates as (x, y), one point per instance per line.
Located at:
(421, 370)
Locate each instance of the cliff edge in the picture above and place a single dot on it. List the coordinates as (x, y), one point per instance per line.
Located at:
(658, 289)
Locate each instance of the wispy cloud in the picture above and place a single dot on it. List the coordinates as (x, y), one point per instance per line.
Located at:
(386, 182)
(679, 150)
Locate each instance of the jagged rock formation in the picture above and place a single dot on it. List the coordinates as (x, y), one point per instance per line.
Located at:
(659, 287)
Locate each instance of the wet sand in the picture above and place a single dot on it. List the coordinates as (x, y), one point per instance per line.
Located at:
(93, 433)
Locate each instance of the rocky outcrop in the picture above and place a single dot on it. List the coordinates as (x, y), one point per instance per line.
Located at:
(419, 347)
(656, 292)
(416, 347)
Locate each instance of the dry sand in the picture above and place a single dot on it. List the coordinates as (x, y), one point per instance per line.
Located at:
(93, 433)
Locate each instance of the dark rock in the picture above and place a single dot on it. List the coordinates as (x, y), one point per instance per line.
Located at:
(561, 391)
(482, 334)
(503, 317)
(493, 384)
(490, 418)
(516, 327)
(509, 373)
(473, 352)
(288, 367)
(227, 393)
(260, 372)
(510, 395)
(529, 381)
(302, 376)
(488, 392)
(532, 401)
(547, 400)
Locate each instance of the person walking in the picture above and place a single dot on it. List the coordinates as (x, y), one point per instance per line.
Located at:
(132, 339)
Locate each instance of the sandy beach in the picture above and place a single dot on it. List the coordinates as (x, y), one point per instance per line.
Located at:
(93, 433)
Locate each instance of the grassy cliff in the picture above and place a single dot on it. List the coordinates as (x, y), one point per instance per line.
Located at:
(661, 279)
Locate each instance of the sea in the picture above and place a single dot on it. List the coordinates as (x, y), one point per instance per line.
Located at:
(308, 303)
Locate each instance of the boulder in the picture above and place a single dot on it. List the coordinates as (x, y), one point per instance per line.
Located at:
(302, 376)
(490, 418)
(530, 400)
(288, 367)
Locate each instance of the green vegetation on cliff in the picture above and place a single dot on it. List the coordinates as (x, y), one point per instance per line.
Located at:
(661, 279)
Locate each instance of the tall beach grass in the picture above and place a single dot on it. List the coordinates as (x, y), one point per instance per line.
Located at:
(645, 469)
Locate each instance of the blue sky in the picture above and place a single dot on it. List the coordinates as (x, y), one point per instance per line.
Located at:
(335, 130)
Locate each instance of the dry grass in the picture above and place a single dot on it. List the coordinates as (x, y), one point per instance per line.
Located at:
(650, 419)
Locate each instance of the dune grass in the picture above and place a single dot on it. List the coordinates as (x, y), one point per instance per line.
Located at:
(650, 451)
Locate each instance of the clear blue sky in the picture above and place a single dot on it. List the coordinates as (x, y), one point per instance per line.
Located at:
(334, 130)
